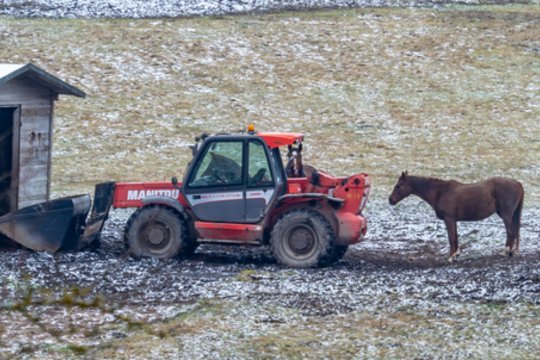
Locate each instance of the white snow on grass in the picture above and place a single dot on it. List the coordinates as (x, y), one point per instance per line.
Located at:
(171, 8)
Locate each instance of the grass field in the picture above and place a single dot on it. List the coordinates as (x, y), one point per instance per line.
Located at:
(451, 93)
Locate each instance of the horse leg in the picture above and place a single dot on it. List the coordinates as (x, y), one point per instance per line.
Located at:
(515, 248)
(516, 223)
(510, 237)
(451, 228)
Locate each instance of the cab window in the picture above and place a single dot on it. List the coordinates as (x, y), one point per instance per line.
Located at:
(259, 173)
(221, 165)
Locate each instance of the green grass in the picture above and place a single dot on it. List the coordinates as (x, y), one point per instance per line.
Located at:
(459, 331)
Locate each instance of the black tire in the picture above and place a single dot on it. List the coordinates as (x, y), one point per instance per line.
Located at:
(301, 239)
(189, 247)
(156, 231)
(339, 252)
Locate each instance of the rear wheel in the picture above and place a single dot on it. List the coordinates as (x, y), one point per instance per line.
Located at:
(157, 231)
(302, 238)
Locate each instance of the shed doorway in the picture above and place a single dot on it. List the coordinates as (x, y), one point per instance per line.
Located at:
(8, 159)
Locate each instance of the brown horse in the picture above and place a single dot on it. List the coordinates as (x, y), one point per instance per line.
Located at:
(454, 201)
(295, 167)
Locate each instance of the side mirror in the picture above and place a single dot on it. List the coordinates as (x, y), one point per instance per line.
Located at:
(174, 181)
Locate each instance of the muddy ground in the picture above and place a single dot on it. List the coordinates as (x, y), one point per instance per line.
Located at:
(87, 303)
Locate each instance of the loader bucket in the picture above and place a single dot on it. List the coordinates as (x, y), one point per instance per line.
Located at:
(60, 224)
(103, 199)
(49, 226)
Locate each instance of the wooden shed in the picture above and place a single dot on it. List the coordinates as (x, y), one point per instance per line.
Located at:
(27, 96)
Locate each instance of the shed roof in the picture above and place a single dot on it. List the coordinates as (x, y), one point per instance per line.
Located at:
(11, 71)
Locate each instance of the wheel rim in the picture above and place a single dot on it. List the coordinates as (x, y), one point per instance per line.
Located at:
(155, 236)
(300, 241)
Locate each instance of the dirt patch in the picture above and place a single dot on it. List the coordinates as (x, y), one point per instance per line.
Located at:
(92, 302)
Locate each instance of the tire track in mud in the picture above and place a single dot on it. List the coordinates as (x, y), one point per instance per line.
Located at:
(397, 269)
(403, 260)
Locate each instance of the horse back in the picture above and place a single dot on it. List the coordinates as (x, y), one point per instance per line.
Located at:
(480, 200)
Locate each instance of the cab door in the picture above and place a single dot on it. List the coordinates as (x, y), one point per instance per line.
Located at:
(261, 188)
(231, 181)
(215, 182)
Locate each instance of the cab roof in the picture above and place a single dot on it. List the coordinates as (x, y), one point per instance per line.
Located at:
(277, 139)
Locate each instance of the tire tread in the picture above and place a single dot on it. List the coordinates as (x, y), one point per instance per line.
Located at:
(327, 238)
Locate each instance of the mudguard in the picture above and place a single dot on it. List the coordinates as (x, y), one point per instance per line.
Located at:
(166, 201)
(318, 196)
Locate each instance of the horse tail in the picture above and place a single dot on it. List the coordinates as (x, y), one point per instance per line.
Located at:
(516, 218)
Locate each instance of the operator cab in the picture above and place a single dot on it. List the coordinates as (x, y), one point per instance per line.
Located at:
(243, 173)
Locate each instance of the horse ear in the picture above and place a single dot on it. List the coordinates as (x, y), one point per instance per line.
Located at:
(403, 174)
(300, 148)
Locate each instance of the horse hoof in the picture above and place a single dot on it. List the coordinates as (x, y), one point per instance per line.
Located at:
(454, 256)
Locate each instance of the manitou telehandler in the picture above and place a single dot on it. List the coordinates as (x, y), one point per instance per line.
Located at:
(236, 191)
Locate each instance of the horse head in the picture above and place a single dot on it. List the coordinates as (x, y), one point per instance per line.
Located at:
(294, 166)
(402, 189)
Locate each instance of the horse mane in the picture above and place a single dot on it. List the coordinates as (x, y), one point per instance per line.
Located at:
(426, 178)
(423, 182)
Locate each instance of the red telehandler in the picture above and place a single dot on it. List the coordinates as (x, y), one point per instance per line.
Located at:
(235, 191)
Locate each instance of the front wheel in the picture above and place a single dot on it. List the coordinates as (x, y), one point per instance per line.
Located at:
(302, 238)
(156, 231)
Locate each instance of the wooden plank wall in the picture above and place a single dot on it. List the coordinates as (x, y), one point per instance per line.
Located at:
(34, 138)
